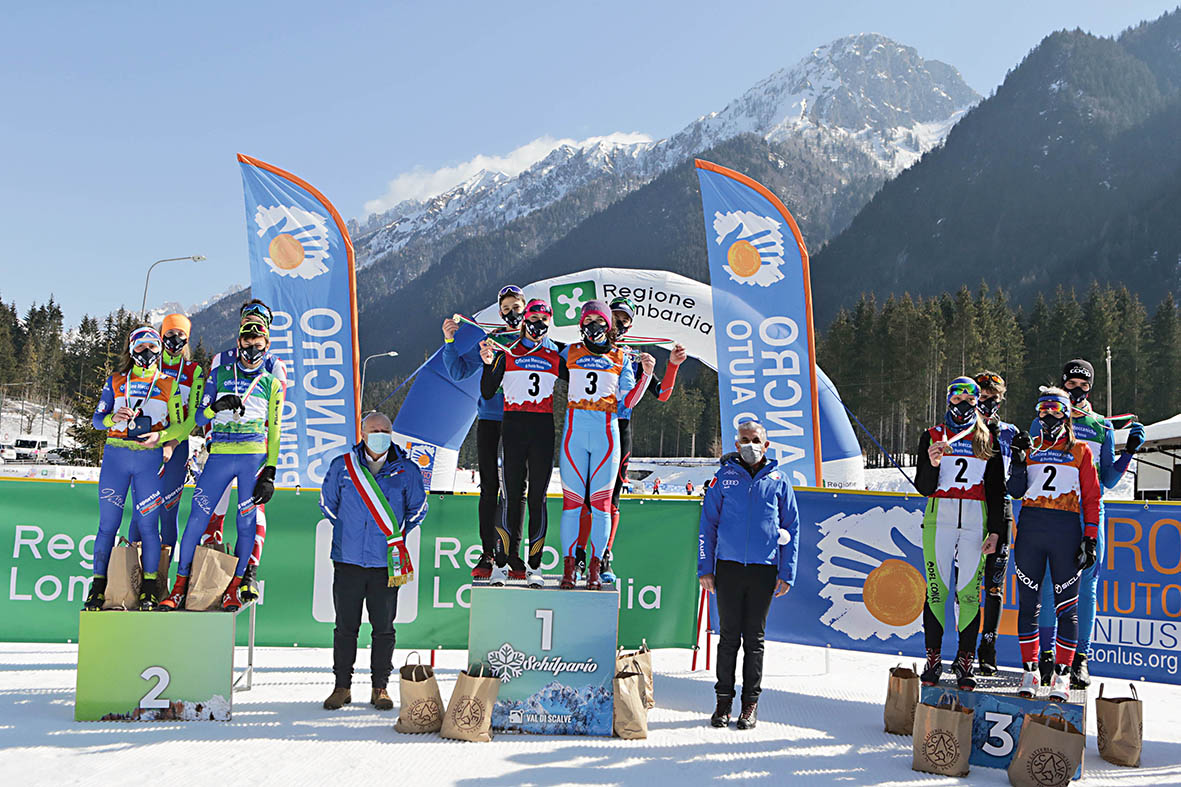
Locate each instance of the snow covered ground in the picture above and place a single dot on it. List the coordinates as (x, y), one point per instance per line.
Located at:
(815, 727)
(16, 415)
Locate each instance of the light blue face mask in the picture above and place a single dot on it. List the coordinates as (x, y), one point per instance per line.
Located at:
(378, 442)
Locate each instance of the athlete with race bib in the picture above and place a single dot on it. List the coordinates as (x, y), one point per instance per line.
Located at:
(961, 472)
(600, 377)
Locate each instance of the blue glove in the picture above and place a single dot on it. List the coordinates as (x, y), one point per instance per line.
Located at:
(1135, 438)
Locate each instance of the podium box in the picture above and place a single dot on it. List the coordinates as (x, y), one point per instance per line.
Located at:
(160, 666)
(554, 652)
(1000, 713)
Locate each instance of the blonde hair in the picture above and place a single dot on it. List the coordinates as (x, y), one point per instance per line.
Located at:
(982, 445)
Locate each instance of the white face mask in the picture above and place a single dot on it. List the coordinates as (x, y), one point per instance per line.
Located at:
(751, 453)
(378, 442)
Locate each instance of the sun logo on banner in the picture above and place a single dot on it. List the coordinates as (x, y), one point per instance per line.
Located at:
(298, 240)
(423, 455)
(867, 573)
(754, 247)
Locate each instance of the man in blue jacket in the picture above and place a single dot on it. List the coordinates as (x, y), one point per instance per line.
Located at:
(361, 549)
(748, 543)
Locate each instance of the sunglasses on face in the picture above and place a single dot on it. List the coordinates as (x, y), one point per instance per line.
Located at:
(1051, 408)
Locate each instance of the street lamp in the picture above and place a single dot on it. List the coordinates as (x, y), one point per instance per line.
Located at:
(143, 309)
(390, 354)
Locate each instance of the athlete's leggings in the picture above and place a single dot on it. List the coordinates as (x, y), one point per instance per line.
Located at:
(220, 471)
(1046, 536)
(995, 567)
(491, 509)
(1087, 600)
(528, 454)
(213, 534)
(588, 463)
(625, 455)
(137, 470)
(953, 537)
(172, 484)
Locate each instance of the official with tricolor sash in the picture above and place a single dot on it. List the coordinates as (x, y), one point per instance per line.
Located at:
(374, 496)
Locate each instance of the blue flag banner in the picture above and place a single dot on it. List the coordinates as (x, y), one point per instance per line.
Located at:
(302, 267)
(860, 585)
(762, 309)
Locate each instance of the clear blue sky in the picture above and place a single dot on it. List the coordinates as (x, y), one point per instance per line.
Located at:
(120, 121)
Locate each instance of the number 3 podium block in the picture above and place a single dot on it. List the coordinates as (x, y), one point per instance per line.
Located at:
(156, 666)
(999, 713)
(554, 652)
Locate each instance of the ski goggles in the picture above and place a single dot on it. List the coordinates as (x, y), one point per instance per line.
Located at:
(142, 336)
(989, 380)
(510, 289)
(538, 306)
(1053, 406)
(259, 310)
(254, 327)
(969, 388)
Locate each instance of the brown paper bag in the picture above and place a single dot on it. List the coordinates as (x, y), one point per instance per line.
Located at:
(210, 576)
(1049, 750)
(630, 716)
(902, 696)
(639, 661)
(942, 737)
(1121, 727)
(162, 586)
(420, 706)
(124, 577)
(469, 712)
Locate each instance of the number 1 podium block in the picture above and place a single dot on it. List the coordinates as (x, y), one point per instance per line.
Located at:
(554, 652)
(999, 713)
(157, 666)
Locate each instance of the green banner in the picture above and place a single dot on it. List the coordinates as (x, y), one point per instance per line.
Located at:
(47, 539)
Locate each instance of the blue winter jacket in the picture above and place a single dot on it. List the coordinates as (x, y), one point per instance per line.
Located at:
(356, 538)
(742, 516)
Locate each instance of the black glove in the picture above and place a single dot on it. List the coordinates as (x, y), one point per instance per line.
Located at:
(1021, 445)
(264, 485)
(1087, 552)
(229, 402)
(1135, 438)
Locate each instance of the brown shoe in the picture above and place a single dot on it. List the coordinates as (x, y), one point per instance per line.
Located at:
(380, 699)
(338, 699)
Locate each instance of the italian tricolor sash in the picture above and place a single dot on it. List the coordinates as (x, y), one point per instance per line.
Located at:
(401, 570)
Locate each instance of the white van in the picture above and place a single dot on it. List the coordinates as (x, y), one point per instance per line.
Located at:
(31, 449)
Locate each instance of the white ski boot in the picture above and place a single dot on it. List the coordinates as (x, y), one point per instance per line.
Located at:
(534, 577)
(499, 575)
(1060, 688)
(1031, 680)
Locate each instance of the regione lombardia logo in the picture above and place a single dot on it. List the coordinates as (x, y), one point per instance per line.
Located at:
(754, 247)
(567, 300)
(298, 243)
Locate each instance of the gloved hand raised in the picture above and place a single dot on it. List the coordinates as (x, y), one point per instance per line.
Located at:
(264, 485)
(1135, 438)
(229, 402)
(1021, 445)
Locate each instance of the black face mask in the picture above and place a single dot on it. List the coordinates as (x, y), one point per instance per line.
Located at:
(1077, 395)
(145, 357)
(513, 318)
(174, 344)
(594, 334)
(536, 329)
(252, 355)
(961, 413)
(988, 407)
(621, 329)
(1052, 428)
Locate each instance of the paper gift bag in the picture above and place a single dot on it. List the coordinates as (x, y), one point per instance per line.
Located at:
(1049, 750)
(639, 661)
(124, 577)
(420, 706)
(902, 696)
(630, 714)
(942, 737)
(211, 574)
(469, 712)
(1121, 727)
(162, 586)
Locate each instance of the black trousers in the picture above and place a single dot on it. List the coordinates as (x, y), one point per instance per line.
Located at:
(995, 566)
(744, 594)
(491, 508)
(528, 456)
(353, 586)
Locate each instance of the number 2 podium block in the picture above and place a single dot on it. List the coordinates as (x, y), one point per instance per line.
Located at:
(155, 666)
(999, 713)
(554, 652)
